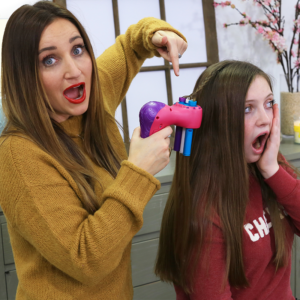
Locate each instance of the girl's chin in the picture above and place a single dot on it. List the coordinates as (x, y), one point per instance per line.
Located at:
(253, 158)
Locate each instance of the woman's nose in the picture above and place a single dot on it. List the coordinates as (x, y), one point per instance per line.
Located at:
(71, 69)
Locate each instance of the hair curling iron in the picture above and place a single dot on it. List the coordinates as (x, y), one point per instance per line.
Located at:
(185, 114)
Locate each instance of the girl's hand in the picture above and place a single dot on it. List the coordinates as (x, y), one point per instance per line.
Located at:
(268, 164)
(169, 46)
(151, 153)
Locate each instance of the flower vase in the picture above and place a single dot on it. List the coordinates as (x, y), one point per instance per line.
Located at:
(289, 110)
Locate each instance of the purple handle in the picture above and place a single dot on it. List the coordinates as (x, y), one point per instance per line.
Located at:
(147, 116)
(177, 142)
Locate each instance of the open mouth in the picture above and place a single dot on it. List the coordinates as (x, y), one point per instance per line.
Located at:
(75, 93)
(259, 142)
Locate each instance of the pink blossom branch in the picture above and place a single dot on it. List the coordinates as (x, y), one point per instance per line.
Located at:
(266, 8)
(295, 29)
(252, 22)
(279, 1)
(295, 70)
(273, 30)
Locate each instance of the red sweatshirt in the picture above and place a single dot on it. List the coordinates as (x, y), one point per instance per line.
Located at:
(258, 249)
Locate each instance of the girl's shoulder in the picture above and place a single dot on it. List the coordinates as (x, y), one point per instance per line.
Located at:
(286, 166)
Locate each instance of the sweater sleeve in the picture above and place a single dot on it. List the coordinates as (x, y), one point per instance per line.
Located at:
(42, 203)
(287, 189)
(120, 63)
(210, 273)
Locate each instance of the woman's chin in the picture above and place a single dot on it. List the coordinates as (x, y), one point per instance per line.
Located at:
(61, 117)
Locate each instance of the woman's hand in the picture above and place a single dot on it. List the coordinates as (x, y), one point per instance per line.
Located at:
(268, 164)
(169, 46)
(151, 153)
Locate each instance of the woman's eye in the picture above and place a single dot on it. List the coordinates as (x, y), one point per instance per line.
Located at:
(49, 61)
(78, 50)
(247, 109)
(270, 103)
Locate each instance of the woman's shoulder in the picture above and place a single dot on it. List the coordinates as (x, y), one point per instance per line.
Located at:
(23, 160)
(18, 145)
(21, 154)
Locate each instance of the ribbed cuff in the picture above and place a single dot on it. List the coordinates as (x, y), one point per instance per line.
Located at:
(133, 187)
(150, 36)
(152, 25)
(141, 172)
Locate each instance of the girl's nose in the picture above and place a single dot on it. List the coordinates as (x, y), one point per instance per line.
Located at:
(72, 70)
(263, 117)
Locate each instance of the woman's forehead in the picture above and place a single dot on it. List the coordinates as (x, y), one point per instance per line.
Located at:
(59, 30)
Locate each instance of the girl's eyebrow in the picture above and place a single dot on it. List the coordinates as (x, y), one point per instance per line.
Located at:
(271, 94)
(249, 100)
(54, 47)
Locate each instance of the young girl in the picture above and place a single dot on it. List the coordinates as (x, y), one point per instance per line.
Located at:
(234, 205)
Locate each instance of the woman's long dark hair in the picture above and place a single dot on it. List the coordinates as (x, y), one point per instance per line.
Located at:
(26, 105)
(214, 181)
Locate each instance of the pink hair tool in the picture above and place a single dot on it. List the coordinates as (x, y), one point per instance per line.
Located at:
(185, 114)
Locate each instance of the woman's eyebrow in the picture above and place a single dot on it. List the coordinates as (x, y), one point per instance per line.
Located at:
(74, 38)
(47, 48)
(54, 48)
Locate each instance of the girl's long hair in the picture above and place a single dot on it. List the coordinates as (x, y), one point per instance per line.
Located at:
(214, 182)
(27, 107)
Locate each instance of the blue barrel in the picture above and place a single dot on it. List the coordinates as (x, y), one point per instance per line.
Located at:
(189, 134)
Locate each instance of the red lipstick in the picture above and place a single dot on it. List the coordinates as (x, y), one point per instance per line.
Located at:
(81, 87)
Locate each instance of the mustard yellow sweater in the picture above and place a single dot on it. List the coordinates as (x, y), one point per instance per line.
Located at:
(60, 250)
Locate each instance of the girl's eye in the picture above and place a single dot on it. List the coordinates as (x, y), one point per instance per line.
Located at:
(247, 109)
(78, 50)
(49, 61)
(270, 103)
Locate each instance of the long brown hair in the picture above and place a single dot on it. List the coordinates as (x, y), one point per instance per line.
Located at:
(214, 181)
(26, 105)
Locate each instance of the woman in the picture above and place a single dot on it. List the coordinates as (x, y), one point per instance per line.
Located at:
(234, 206)
(72, 199)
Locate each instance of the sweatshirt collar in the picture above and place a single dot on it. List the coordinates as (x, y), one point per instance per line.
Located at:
(73, 125)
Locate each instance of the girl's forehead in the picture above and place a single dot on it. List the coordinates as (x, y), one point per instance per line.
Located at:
(258, 88)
